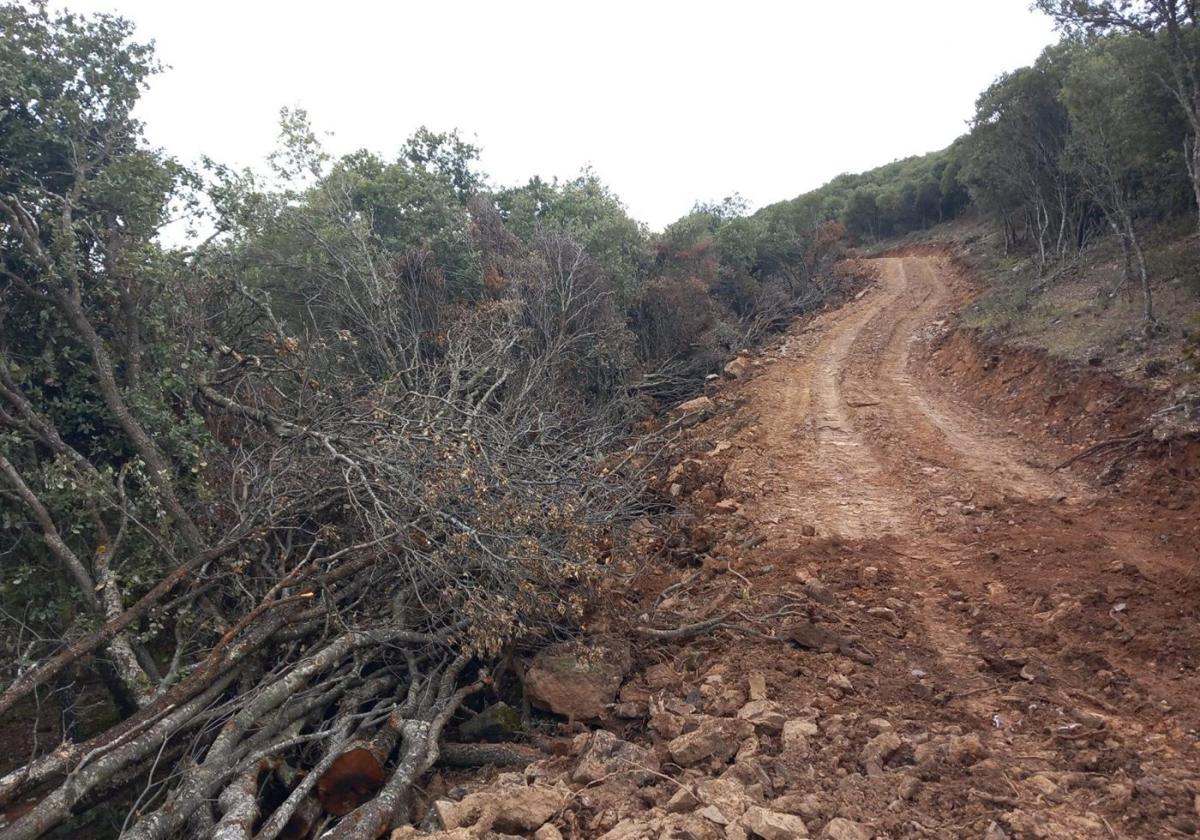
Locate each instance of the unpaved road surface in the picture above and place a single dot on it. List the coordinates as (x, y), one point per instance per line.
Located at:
(863, 444)
(1030, 635)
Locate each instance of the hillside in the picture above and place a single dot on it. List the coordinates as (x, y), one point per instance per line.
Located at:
(393, 501)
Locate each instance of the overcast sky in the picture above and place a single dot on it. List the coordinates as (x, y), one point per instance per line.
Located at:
(670, 102)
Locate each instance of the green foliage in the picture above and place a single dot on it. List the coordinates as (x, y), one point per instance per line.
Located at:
(62, 77)
(1099, 133)
(585, 209)
(1122, 121)
(447, 155)
(891, 200)
(83, 199)
(1089, 139)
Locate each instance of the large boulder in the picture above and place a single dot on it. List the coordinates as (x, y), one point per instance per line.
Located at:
(575, 681)
(605, 755)
(718, 738)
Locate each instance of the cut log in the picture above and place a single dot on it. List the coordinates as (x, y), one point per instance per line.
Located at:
(353, 778)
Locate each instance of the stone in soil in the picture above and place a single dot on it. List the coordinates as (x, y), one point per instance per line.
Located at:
(576, 681)
(840, 828)
(764, 714)
(514, 808)
(772, 825)
(605, 755)
(718, 738)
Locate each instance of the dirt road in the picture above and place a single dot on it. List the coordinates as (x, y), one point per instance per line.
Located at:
(868, 450)
(1030, 635)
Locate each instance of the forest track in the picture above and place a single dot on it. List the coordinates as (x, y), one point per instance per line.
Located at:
(1019, 602)
(865, 442)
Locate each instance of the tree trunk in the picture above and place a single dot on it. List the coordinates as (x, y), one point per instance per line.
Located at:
(1126, 254)
(1042, 223)
(1191, 156)
(1143, 276)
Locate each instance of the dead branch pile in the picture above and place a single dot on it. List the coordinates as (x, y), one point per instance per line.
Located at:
(380, 491)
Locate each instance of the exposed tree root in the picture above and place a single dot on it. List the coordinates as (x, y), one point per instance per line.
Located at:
(1117, 443)
(685, 631)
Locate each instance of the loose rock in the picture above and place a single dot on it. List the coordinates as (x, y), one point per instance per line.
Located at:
(713, 814)
(575, 681)
(796, 734)
(772, 825)
(498, 722)
(714, 738)
(840, 828)
(758, 686)
(605, 754)
(666, 725)
(723, 702)
(878, 750)
(840, 682)
(726, 794)
(966, 749)
(737, 368)
(809, 806)
(511, 808)
(908, 787)
(764, 714)
(695, 411)
(684, 800)
(632, 828)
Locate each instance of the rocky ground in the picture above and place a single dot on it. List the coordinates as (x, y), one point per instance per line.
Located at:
(881, 610)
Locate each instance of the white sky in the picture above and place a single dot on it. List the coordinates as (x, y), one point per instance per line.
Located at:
(669, 101)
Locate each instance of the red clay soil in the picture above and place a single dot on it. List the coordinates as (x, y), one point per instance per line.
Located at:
(1030, 633)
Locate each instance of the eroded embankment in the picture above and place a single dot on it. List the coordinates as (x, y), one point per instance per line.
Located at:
(1073, 407)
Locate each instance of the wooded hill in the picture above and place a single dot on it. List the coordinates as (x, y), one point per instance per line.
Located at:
(299, 490)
